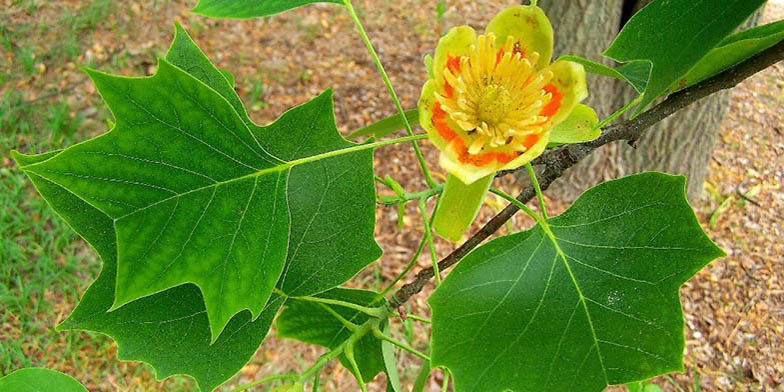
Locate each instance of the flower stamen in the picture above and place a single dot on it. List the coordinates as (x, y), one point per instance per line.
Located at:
(497, 96)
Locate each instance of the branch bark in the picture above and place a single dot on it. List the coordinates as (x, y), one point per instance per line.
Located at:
(560, 159)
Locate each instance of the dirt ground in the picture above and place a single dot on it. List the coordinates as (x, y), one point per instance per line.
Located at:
(734, 308)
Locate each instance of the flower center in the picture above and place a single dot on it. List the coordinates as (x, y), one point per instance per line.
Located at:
(496, 95)
(494, 104)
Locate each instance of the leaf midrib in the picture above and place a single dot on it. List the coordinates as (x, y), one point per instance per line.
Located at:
(256, 174)
(546, 228)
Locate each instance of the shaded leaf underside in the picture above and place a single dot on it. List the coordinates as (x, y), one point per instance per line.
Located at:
(246, 9)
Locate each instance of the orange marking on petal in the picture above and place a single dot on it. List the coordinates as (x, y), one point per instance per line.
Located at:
(453, 64)
(530, 140)
(439, 121)
(498, 56)
(555, 103)
(505, 158)
(448, 91)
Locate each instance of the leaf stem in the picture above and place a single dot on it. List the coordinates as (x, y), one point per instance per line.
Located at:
(348, 324)
(445, 384)
(403, 273)
(429, 238)
(377, 333)
(518, 203)
(428, 178)
(379, 312)
(617, 113)
(419, 318)
(323, 360)
(425, 194)
(535, 182)
(349, 351)
(316, 380)
(265, 380)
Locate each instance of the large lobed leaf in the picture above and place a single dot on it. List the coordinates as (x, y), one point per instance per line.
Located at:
(39, 380)
(517, 314)
(673, 35)
(246, 9)
(170, 328)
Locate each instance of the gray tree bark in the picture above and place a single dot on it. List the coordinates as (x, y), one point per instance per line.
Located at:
(682, 144)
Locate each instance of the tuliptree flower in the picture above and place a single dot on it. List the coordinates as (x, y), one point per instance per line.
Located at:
(491, 104)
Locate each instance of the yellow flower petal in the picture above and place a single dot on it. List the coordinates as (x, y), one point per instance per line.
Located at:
(568, 89)
(458, 42)
(529, 26)
(529, 155)
(468, 174)
(426, 103)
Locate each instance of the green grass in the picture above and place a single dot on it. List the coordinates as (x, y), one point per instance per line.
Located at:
(44, 265)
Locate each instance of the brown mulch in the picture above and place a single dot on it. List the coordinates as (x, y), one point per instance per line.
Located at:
(734, 308)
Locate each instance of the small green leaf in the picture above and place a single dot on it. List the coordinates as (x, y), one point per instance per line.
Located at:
(596, 306)
(387, 125)
(652, 388)
(578, 127)
(295, 387)
(634, 387)
(674, 35)
(168, 330)
(390, 364)
(312, 323)
(245, 9)
(421, 381)
(39, 380)
(733, 50)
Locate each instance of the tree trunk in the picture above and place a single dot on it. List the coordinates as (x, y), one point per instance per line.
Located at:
(682, 144)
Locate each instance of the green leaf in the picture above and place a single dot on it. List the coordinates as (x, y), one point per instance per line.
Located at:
(578, 127)
(312, 323)
(39, 380)
(597, 306)
(390, 364)
(168, 330)
(733, 50)
(636, 74)
(387, 125)
(296, 387)
(634, 387)
(674, 35)
(245, 9)
(421, 381)
(320, 257)
(204, 198)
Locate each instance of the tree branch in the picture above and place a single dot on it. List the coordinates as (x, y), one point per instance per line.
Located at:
(555, 162)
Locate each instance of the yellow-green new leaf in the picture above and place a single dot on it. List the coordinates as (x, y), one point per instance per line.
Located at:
(579, 127)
